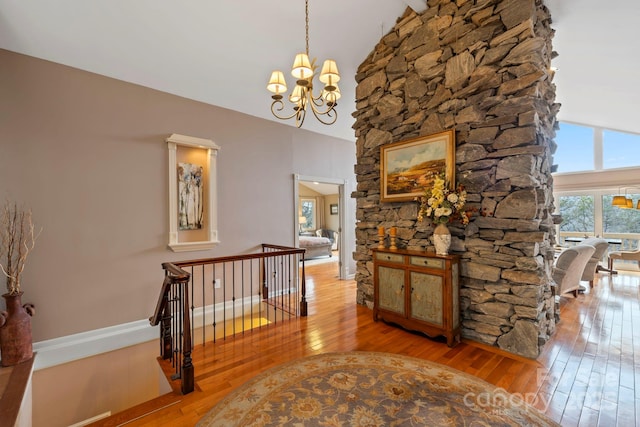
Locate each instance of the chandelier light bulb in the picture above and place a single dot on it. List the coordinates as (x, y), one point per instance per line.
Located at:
(332, 96)
(330, 75)
(301, 69)
(297, 94)
(277, 83)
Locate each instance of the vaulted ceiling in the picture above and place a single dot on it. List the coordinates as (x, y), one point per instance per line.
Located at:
(222, 52)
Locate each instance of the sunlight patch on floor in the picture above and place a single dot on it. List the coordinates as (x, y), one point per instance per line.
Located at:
(228, 328)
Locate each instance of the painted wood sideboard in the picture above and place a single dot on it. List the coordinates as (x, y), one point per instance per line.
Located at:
(419, 291)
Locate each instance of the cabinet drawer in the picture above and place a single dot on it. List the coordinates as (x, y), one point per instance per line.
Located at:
(384, 256)
(427, 262)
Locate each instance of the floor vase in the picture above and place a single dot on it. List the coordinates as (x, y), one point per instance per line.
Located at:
(15, 332)
(442, 239)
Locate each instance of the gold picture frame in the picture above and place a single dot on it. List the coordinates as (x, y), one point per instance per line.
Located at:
(407, 167)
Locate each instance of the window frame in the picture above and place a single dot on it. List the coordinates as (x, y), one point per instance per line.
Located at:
(314, 212)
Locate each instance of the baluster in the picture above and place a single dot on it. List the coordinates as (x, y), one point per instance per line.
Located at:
(187, 366)
(175, 313)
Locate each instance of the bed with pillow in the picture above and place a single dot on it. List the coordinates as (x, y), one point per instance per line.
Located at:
(315, 246)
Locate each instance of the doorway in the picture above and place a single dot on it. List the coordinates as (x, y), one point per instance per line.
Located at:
(332, 215)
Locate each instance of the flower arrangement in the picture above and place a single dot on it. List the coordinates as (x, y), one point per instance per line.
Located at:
(441, 204)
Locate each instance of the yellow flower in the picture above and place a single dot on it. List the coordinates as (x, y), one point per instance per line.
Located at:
(441, 204)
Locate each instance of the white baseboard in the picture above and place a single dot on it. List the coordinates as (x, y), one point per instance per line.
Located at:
(92, 420)
(91, 343)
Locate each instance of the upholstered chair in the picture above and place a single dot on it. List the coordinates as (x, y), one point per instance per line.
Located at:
(591, 268)
(568, 269)
(626, 255)
(329, 234)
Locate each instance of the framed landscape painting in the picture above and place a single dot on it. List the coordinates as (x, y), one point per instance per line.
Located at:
(407, 167)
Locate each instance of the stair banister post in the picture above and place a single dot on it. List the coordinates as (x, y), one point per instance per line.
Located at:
(187, 365)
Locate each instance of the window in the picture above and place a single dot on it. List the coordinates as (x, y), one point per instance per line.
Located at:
(578, 215)
(575, 148)
(591, 213)
(620, 150)
(601, 163)
(308, 210)
(618, 220)
(584, 148)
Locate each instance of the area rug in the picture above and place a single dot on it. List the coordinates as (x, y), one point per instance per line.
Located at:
(370, 389)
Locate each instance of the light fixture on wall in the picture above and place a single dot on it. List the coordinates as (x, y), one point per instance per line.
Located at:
(302, 96)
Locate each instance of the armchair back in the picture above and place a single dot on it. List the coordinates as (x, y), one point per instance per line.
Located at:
(569, 267)
(601, 247)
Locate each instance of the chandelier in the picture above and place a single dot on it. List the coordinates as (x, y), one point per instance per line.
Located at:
(302, 97)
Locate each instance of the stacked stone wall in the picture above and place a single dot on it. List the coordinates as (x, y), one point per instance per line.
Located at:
(482, 68)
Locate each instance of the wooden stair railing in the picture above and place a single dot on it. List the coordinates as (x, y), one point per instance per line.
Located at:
(272, 276)
(174, 294)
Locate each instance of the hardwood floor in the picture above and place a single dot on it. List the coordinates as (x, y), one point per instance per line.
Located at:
(586, 375)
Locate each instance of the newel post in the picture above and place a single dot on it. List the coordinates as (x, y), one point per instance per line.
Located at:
(187, 365)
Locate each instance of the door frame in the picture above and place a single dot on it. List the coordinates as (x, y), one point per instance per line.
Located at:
(342, 204)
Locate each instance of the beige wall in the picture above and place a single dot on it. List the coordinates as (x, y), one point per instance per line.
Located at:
(87, 154)
(109, 382)
(332, 222)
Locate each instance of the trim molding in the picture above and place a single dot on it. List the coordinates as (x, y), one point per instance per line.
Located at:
(78, 346)
(613, 179)
(66, 349)
(211, 199)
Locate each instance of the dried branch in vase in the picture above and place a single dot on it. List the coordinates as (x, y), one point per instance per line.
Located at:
(17, 240)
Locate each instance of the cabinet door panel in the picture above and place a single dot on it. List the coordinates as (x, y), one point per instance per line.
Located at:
(427, 297)
(391, 289)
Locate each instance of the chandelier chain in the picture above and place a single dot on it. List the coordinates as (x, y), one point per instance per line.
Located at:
(306, 28)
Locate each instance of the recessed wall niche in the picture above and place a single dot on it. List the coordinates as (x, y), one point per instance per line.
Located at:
(193, 200)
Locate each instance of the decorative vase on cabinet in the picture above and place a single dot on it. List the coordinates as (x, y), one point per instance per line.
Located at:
(442, 239)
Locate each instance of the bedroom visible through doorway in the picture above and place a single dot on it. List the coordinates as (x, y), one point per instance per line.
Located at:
(319, 219)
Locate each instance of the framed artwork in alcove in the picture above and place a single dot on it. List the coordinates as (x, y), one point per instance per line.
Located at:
(407, 167)
(193, 210)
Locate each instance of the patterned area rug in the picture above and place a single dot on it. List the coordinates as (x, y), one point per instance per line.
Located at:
(370, 389)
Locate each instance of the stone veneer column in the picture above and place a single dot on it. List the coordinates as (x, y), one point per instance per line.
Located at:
(481, 67)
